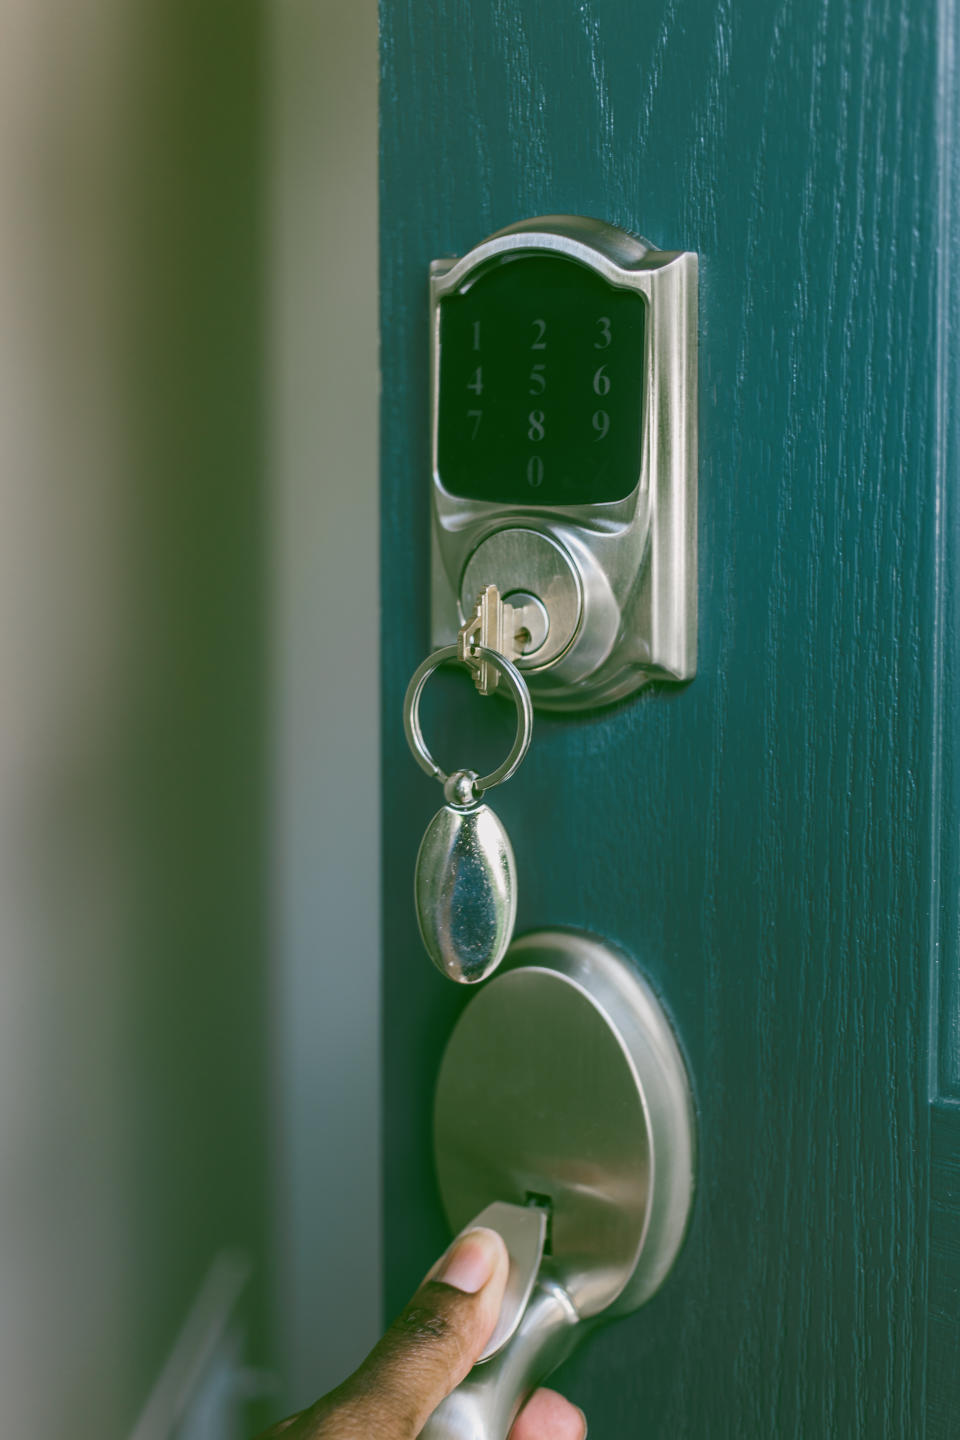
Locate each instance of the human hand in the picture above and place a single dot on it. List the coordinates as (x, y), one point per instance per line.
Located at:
(427, 1351)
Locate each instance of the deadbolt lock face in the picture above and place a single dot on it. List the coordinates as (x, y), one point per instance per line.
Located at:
(563, 382)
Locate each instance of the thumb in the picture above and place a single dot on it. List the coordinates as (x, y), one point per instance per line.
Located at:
(433, 1343)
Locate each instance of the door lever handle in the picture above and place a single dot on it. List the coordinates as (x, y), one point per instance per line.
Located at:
(564, 1094)
(523, 1229)
(533, 1334)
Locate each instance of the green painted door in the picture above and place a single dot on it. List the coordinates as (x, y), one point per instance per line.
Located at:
(775, 844)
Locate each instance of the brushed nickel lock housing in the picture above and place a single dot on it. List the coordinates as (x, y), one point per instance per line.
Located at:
(564, 448)
(564, 1119)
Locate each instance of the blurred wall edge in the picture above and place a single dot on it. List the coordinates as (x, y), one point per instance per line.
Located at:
(133, 801)
(324, 406)
(189, 942)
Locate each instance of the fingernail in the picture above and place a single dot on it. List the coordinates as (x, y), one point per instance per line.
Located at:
(471, 1260)
(584, 1419)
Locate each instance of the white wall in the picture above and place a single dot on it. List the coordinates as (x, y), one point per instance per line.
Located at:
(323, 454)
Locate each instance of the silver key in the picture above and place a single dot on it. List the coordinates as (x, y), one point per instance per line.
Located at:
(494, 625)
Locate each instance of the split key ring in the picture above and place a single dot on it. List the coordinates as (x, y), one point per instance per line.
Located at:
(515, 684)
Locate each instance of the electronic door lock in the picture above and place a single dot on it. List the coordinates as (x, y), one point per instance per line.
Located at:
(564, 440)
(564, 1119)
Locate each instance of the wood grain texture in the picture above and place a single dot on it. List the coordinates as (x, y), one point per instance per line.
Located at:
(760, 840)
(943, 1341)
(944, 1377)
(944, 901)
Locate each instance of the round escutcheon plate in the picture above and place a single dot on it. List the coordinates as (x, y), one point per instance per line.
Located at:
(562, 1084)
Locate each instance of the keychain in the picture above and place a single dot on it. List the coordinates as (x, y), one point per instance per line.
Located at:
(466, 876)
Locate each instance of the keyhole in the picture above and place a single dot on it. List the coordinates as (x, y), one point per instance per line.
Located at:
(543, 1202)
(530, 620)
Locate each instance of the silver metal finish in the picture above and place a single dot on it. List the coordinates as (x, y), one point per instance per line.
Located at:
(485, 1405)
(524, 1229)
(515, 684)
(460, 788)
(563, 1081)
(465, 887)
(525, 560)
(530, 620)
(634, 560)
(490, 625)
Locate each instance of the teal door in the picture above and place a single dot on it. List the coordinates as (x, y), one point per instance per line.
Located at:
(776, 843)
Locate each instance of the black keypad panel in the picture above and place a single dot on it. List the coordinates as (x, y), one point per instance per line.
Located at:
(541, 383)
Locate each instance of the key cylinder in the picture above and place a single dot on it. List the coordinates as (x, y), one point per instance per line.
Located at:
(535, 574)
